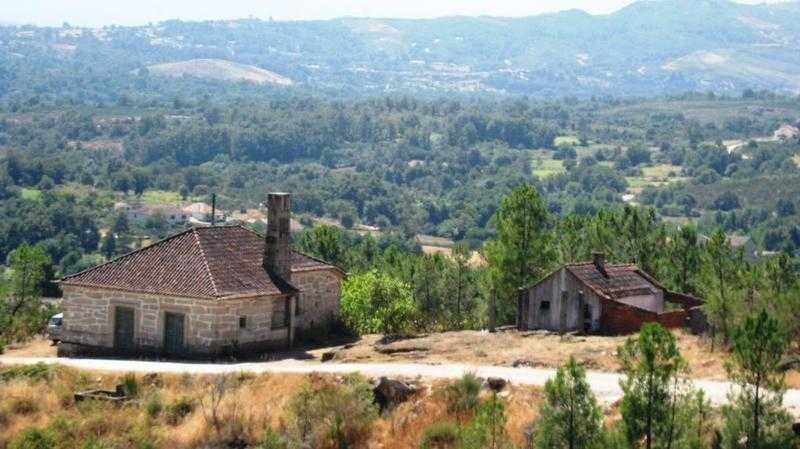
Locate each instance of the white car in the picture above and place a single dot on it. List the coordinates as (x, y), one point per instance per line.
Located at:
(54, 327)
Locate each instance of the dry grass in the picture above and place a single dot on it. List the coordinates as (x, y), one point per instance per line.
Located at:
(538, 349)
(252, 405)
(38, 347)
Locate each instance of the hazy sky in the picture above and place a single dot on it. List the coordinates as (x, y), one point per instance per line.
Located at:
(134, 12)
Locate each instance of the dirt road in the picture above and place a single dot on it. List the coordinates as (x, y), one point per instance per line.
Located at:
(604, 385)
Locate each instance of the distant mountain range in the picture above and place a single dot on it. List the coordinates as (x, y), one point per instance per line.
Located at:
(648, 48)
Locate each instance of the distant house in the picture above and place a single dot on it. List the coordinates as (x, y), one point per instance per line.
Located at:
(786, 131)
(596, 297)
(737, 242)
(140, 213)
(202, 212)
(206, 291)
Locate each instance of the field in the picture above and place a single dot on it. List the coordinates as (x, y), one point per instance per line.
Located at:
(218, 69)
(180, 411)
(543, 168)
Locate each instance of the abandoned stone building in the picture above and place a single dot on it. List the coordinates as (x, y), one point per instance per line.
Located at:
(204, 292)
(595, 297)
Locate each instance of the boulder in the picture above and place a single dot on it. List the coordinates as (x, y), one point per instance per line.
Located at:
(390, 392)
(328, 356)
(496, 383)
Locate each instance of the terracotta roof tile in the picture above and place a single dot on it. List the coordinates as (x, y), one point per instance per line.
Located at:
(619, 281)
(204, 262)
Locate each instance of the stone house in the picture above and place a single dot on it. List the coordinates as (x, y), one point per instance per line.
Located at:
(204, 292)
(595, 297)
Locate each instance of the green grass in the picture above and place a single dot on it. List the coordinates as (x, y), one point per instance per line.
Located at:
(30, 194)
(660, 171)
(567, 140)
(543, 168)
(154, 197)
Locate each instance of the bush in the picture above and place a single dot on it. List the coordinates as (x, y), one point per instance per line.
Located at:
(38, 371)
(333, 415)
(272, 440)
(462, 396)
(377, 302)
(24, 406)
(34, 438)
(153, 407)
(178, 410)
(130, 385)
(441, 436)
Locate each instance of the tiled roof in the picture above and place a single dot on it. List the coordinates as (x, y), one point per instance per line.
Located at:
(618, 281)
(203, 262)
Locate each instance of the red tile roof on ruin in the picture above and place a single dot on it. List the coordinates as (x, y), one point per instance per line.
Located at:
(201, 262)
(617, 281)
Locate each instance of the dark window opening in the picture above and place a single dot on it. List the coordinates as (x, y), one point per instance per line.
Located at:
(544, 305)
(587, 312)
(281, 313)
(242, 322)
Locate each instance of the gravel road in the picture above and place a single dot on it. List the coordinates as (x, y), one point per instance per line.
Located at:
(604, 385)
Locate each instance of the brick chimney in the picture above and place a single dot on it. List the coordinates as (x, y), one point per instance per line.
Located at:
(277, 251)
(599, 260)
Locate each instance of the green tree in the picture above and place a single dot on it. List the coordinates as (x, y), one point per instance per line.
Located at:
(108, 246)
(755, 417)
(325, 242)
(651, 363)
(719, 275)
(377, 302)
(570, 417)
(684, 255)
(522, 253)
(488, 430)
(29, 265)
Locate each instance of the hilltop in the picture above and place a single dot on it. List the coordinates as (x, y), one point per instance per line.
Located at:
(648, 48)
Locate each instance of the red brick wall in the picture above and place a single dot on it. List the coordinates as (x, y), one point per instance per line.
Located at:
(621, 319)
(673, 320)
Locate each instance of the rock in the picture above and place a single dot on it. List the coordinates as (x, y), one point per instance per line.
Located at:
(390, 392)
(151, 379)
(521, 362)
(328, 356)
(496, 383)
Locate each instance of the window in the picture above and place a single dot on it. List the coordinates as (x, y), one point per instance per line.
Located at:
(242, 322)
(587, 312)
(297, 302)
(281, 313)
(544, 305)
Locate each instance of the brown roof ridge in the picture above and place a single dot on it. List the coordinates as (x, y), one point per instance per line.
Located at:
(128, 254)
(613, 265)
(205, 262)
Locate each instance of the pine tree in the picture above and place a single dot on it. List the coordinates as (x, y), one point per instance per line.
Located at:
(755, 417)
(570, 417)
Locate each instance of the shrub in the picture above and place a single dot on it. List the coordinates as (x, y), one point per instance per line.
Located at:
(94, 443)
(462, 396)
(272, 440)
(24, 406)
(130, 385)
(178, 410)
(333, 415)
(153, 406)
(377, 302)
(38, 371)
(441, 436)
(34, 438)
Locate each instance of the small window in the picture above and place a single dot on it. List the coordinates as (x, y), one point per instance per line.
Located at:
(587, 312)
(544, 305)
(242, 322)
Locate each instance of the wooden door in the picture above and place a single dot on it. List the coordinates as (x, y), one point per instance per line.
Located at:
(123, 329)
(173, 333)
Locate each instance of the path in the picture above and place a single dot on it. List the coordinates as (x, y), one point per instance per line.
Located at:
(604, 385)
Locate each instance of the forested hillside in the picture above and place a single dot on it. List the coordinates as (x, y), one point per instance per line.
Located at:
(649, 48)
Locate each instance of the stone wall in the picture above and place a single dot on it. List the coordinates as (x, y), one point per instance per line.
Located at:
(320, 292)
(534, 314)
(210, 326)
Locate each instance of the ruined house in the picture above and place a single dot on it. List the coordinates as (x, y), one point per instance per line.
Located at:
(207, 291)
(596, 297)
